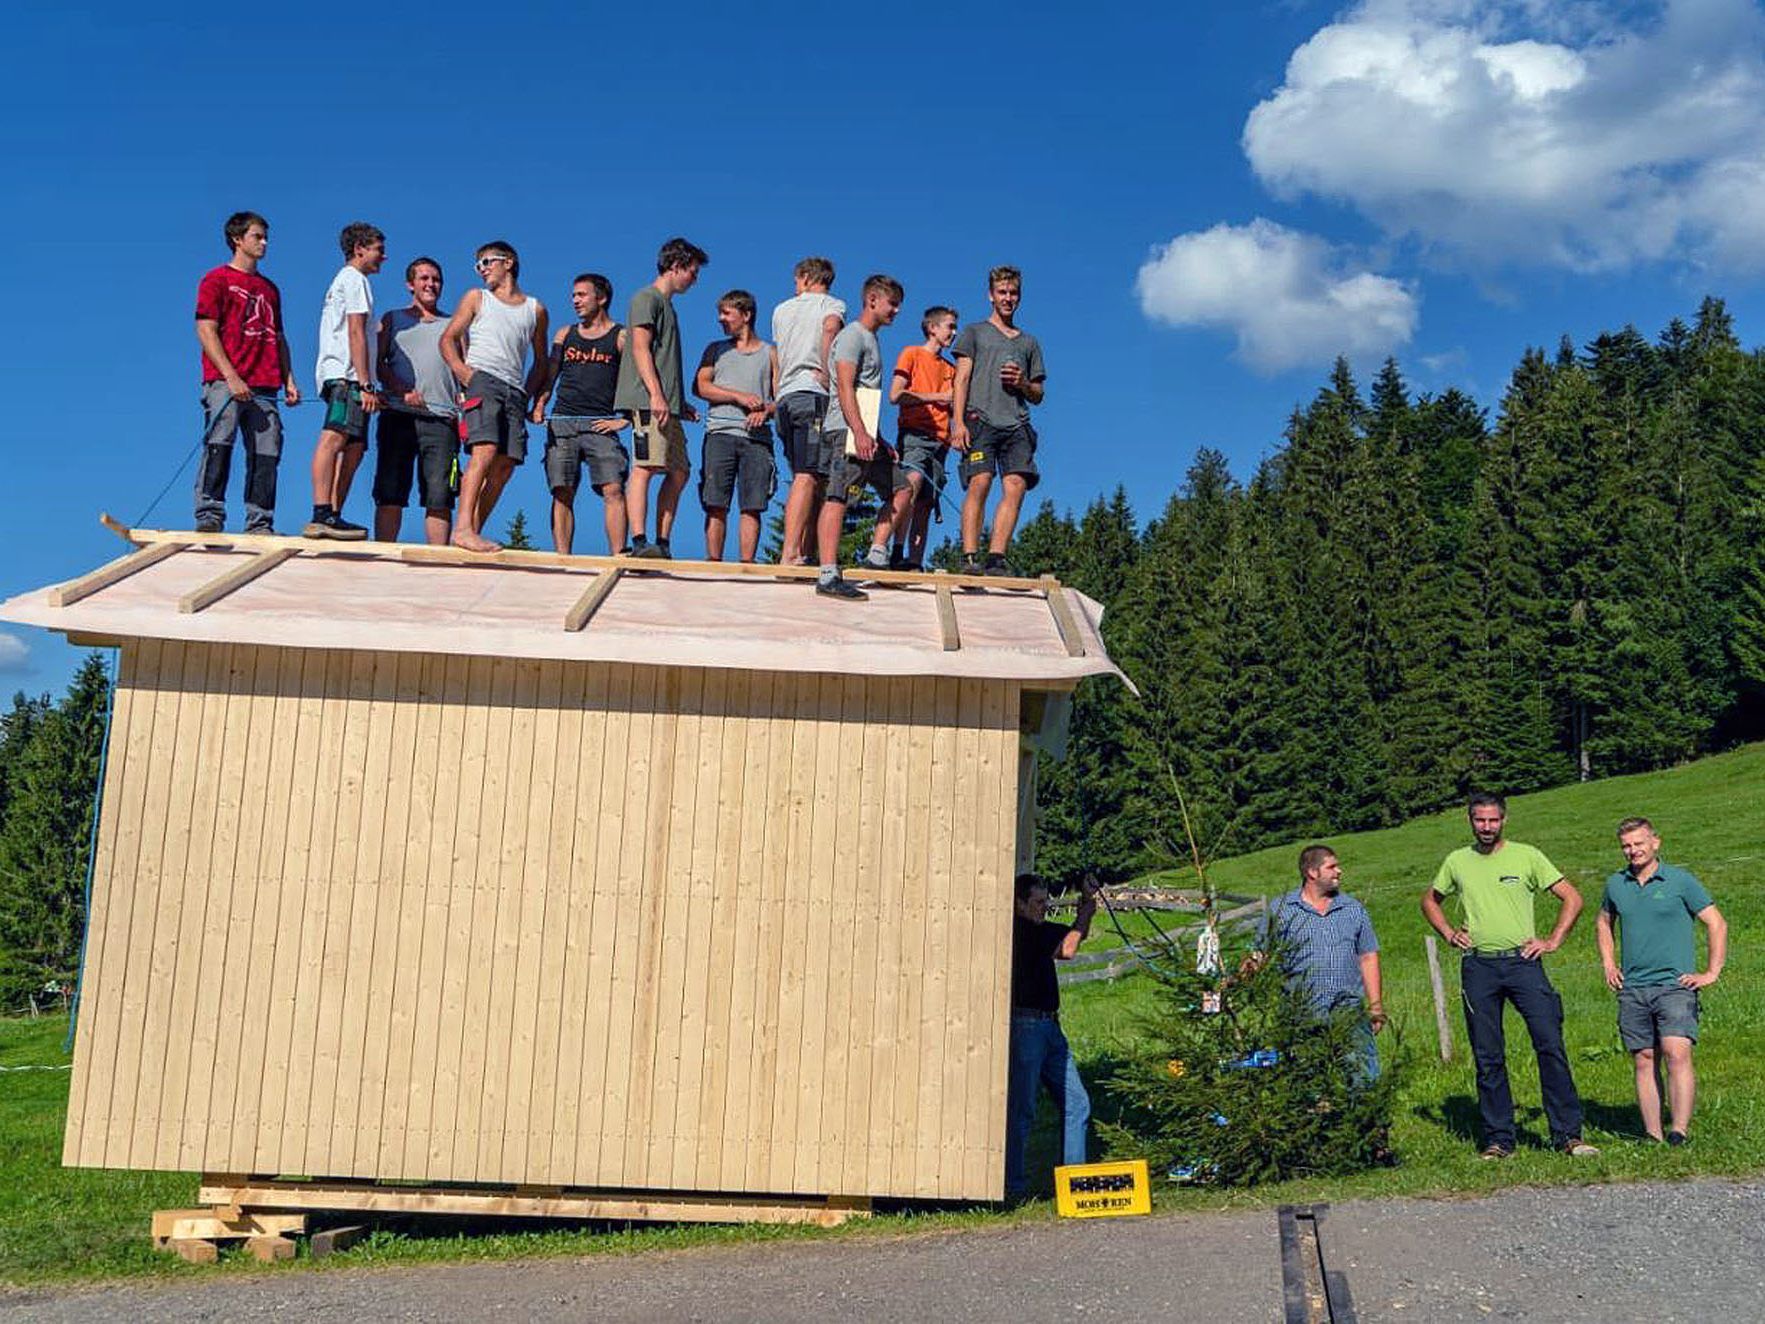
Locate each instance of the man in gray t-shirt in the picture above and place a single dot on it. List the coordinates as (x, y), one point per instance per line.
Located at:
(417, 430)
(856, 360)
(999, 375)
(735, 378)
(803, 328)
(855, 344)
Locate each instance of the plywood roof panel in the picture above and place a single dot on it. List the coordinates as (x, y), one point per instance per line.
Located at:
(686, 614)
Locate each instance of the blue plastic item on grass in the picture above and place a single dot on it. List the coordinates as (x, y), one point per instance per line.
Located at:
(1262, 1057)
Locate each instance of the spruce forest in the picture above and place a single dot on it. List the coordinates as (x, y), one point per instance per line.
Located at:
(1408, 597)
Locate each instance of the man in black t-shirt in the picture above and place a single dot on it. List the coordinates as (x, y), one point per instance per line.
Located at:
(1039, 1051)
(584, 429)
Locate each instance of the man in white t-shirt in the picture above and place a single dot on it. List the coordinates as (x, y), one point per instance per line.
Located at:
(346, 380)
(803, 328)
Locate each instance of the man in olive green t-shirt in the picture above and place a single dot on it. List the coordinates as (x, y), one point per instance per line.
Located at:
(651, 392)
(1496, 881)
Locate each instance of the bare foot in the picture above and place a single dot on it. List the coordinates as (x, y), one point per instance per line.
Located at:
(473, 542)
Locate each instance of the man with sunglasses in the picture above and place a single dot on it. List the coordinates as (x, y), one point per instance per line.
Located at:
(495, 346)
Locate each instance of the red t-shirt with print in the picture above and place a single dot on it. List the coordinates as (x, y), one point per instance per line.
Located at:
(248, 310)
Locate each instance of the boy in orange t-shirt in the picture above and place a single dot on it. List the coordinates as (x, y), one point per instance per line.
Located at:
(922, 386)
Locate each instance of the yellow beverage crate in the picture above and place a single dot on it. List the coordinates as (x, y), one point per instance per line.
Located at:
(1102, 1190)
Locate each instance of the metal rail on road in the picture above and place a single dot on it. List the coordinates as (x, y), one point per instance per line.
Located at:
(1311, 1291)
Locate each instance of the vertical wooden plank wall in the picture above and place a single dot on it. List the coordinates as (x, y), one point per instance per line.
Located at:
(483, 920)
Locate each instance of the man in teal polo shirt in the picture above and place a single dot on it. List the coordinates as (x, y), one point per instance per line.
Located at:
(1654, 904)
(1496, 880)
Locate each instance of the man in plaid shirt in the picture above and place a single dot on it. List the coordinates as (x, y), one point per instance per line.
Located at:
(1328, 947)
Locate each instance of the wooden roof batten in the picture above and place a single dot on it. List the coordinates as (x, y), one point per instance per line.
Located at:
(995, 598)
(236, 578)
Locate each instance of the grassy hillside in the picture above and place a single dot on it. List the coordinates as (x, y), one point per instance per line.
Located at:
(57, 1223)
(1711, 817)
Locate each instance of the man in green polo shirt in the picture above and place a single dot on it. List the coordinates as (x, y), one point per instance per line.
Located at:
(1654, 904)
(1496, 881)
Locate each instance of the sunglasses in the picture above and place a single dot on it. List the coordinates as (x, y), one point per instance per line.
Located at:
(491, 259)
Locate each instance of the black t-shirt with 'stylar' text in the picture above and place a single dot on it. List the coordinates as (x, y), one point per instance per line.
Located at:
(588, 372)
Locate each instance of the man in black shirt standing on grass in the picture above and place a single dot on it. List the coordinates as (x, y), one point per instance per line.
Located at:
(1039, 1051)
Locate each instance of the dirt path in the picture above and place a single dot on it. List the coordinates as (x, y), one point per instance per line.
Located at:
(1692, 1251)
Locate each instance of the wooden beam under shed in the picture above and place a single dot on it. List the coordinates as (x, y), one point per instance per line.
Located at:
(947, 619)
(1061, 610)
(592, 597)
(357, 1196)
(239, 576)
(105, 575)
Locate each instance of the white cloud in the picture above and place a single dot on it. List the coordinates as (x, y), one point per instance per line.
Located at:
(1290, 298)
(1532, 132)
(15, 654)
(1447, 361)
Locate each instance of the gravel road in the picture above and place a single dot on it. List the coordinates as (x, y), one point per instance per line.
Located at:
(1692, 1251)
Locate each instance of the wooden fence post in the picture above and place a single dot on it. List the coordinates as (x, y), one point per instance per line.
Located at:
(1441, 1024)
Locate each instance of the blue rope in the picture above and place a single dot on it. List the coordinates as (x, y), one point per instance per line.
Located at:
(936, 488)
(73, 1016)
(176, 474)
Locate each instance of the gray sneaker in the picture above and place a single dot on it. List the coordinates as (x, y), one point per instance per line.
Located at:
(838, 587)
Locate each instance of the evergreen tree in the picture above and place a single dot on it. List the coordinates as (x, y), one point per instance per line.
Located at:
(1169, 639)
(44, 836)
(1508, 729)
(1085, 795)
(17, 728)
(1260, 1090)
(1748, 640)
(517, 539)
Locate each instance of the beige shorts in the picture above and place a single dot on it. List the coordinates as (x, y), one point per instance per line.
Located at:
(655, 447)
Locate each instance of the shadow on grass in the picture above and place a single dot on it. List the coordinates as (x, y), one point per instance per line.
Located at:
(1625, 1121)
(1456, 1114)
(1459, 1116)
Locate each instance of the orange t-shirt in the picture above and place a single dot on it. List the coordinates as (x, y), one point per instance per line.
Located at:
(927, 374)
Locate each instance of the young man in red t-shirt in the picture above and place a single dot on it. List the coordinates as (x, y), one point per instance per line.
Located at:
(244, 362)
(922, 386)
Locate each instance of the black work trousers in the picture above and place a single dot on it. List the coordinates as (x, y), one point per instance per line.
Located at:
(1487, 982)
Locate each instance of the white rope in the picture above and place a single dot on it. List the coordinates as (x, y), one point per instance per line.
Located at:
(68, 1066)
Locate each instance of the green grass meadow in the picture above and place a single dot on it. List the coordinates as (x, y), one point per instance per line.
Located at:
(1711, 817)
(58, 1224)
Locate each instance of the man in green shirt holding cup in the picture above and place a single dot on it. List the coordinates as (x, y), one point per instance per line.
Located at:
(1496, 880)
(1653, 905)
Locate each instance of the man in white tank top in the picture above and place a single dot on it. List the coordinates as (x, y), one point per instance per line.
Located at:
(495, 346)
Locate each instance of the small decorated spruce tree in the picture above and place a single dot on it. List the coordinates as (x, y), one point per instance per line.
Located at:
(1261, 1090)
(1234, 1078)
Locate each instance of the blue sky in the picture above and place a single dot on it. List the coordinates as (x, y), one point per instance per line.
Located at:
(1208, 201)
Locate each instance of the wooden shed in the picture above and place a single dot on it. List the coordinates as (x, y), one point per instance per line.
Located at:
(564, 884)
